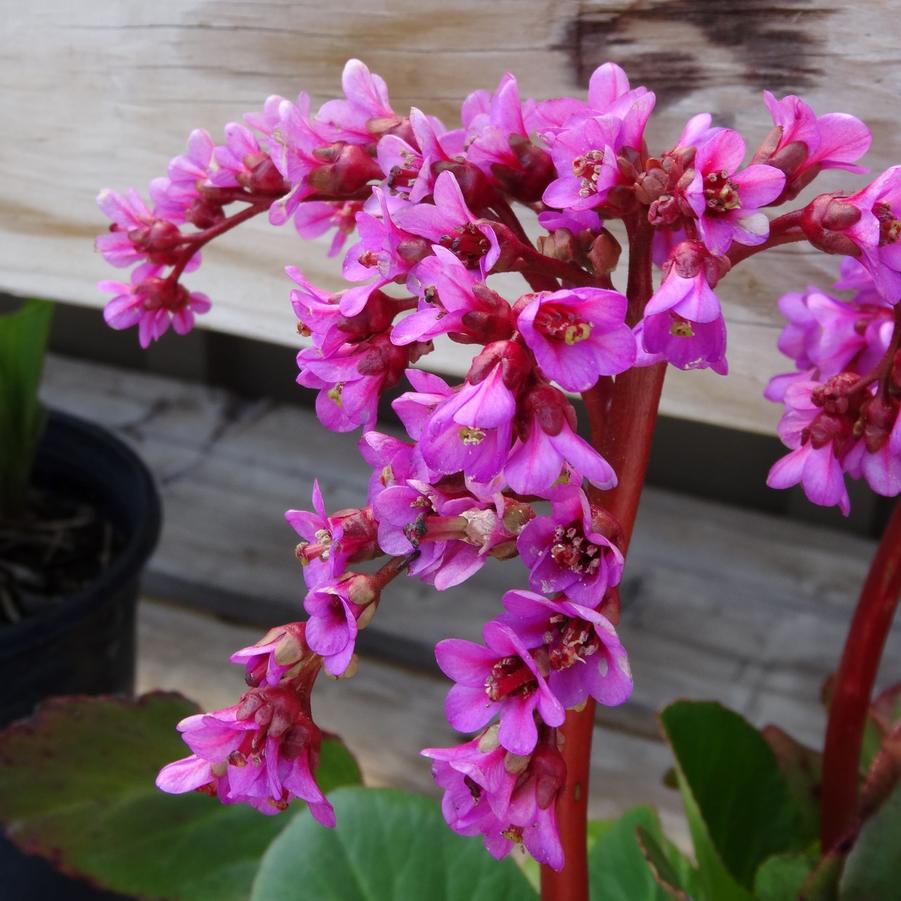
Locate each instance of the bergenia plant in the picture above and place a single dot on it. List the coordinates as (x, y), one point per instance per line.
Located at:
(426, 216)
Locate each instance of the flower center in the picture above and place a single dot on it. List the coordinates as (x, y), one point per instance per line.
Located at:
(587, 168)
(509, 676)
(573, 551)
(721, 192)
(468, 243)
(681, 328)
(334, 394)
(513, 834)
(889, 226)
(570, 641)
(403, 176)
(470, 436)
(320, 549)
(562, 324)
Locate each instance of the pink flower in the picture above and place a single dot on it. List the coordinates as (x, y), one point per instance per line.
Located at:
(727, 201)
(315, 217)
(506, 799)
(393, 462)
(585, 655)
(876, 456)
(831, 335)
(452, 534)
(137, 234)
(574, 550)
(683, 321)
(449, 222)
(322, 317)
(330, 543)
(366, 112)
(262, 752)
(547, 441)
(410, 170)
(277, 652)
(802, 144)
(585, 157)
(609, 92)
(453, 301)
(351, 378)
(577, 335)
(471, 430)
(877, 231)
(153, 304)
(313, 156)
(331, 630)
(498, 142)
(500, 679)
(179, 197)
(384, 250)
(817, 439)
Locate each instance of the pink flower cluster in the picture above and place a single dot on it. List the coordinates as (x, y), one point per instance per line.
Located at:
(495, 465)
(842, 402)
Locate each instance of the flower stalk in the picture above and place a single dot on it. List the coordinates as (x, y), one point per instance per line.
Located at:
(854, 687)
(622, 415)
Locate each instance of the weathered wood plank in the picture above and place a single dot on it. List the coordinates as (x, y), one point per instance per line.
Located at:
(96, 94)
(718, 602)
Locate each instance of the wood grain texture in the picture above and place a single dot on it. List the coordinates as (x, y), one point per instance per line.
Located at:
(718, 602)
(96, 94)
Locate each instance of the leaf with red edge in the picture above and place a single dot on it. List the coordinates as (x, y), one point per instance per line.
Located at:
(77, 787)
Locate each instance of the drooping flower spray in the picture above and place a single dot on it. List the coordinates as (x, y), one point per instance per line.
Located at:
(496, 465)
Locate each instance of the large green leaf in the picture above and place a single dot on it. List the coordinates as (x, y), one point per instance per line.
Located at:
(873, 868)
(92, 807)
(618, 863)
(23, 338)
(388, 846)
(736, 797)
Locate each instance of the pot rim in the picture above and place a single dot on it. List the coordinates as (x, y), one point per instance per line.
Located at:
(140, 543)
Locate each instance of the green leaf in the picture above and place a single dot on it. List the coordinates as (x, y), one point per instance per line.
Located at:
(803, 771)
(717, 882)
(738, 803)
(780, 878)
(672, 871)
(388, 846)
(23, 339)
(92, 806)
(873, 868)
(618, 869)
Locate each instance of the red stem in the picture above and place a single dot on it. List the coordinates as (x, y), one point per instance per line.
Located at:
(622, 413)
(854, 687)
(199, 239)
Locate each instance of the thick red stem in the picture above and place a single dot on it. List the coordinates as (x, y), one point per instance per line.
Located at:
(622, 413)
(854, 687)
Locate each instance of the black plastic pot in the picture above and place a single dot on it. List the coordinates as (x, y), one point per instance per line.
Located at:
(86, 643)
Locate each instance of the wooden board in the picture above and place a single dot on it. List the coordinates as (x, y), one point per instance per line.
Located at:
(719, 602)
(97, 94)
